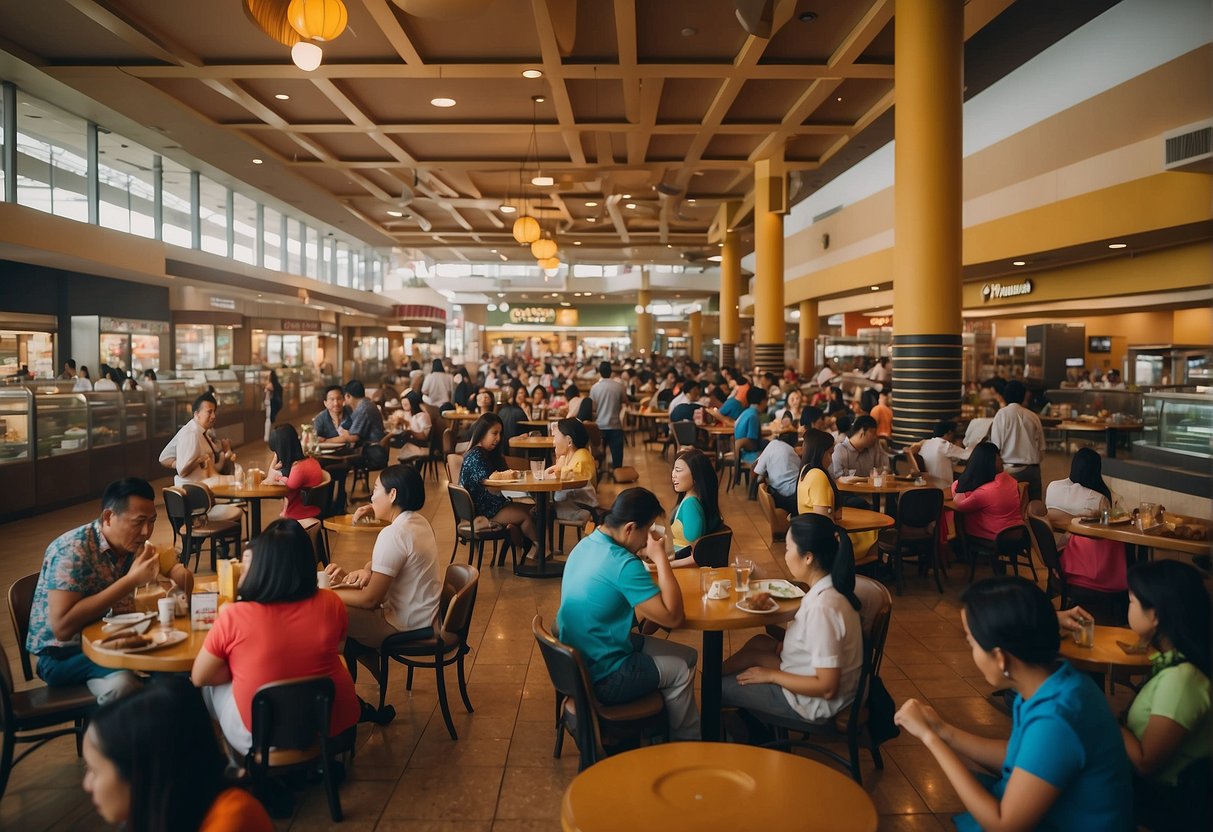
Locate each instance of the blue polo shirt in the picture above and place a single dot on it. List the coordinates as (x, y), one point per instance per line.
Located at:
(1066, 735)
(748, 425)
(732, 408)
(602, 584)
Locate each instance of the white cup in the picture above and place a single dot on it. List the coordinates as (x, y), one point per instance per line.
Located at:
(878, 480)
(323, 580)
(167, 608)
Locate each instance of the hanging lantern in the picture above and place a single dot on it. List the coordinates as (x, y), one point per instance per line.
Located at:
(526, 229)
(317, 19)
(549, 264)
(543, 248)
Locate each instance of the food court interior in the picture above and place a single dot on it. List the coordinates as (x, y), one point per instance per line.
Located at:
(215, 191)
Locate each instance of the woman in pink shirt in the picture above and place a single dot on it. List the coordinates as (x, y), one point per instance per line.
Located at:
(986, 495)
(295, 470)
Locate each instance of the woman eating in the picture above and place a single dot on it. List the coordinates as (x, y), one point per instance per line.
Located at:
(539, 403)
(987, 496)
(792, 409)
(816, 492)
(280, 627)
(697, 508)
(1166, 733)
(152, 764)
(416, 426)
(1064, 766)
(484, 458)
(294, 469)
(814, 673)
(1088, 562)
(573, 461)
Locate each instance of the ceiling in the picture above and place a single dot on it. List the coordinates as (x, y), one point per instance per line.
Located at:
(636, 94)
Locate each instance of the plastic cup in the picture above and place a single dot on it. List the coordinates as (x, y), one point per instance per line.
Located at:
(167, 609)
(323, 580)
(1084, 636)
(537, 468)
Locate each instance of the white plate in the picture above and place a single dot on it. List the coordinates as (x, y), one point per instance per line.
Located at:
(126, 619)
(778, 589)
(159, 639)
(756, 612)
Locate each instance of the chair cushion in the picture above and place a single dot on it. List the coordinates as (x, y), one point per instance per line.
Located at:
(648, 705)
(49, 705)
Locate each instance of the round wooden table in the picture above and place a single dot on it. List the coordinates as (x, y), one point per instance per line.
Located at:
(1110, 430)
(179, 658)
(891, 487)
(254, 495)
(713, 617)
(1105, 655)
(538, 423)
(537, 447)
(693, 786)
(541, 489)
(456, 416)
(344, 524)
(863, 520)
(1133, 536)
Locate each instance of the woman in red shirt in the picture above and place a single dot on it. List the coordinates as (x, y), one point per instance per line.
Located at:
(291, 467)
(986, 495)
(281, 627)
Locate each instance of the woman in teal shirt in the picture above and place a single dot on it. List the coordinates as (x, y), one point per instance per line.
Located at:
(1166, 732)
(1064, 766)
(697, 511)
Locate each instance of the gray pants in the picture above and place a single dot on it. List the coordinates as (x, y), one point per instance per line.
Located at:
(757, 699)
(664, 666)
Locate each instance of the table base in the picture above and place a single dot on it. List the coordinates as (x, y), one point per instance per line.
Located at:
(709, 684)
(536, 569)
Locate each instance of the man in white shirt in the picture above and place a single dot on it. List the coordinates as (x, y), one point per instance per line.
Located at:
(939, 452)
(198, 457)
(780, 466)
(1020, 438)
(880, 372)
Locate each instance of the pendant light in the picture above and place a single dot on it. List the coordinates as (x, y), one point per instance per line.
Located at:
(543, 248)
(321, 20)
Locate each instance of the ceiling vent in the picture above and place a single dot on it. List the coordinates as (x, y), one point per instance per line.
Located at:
(1189, 148)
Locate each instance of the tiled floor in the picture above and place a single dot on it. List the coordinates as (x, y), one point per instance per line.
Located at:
(500, 775)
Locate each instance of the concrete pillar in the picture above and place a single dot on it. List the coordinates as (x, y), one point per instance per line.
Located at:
(730, 294)
(770, 203)
(809, 318)
(695, 336)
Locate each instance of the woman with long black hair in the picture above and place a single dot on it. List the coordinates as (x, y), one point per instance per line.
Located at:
(1088, 562)
(294, 469)
(987, 496)
(816, 492)
(484, 458)
(697, 507)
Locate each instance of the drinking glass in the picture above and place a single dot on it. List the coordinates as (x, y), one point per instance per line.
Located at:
(1084, 636)
(707, 577)
(742, 569)
(537, 468)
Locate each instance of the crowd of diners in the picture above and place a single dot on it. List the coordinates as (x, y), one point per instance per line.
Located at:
(1069, 762)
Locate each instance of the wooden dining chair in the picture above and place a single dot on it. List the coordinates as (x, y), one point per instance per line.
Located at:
(713, 549)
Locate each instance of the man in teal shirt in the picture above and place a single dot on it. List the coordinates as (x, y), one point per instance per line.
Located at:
(604, 582)
(747, 431)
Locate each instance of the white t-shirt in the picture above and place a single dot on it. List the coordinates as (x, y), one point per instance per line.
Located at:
(1019, 435)
(82, 385)
(977, 430)
(938, 454)
(192, 442)
(407, 552)
(826, 632)
(105, 384)
(1072, 498)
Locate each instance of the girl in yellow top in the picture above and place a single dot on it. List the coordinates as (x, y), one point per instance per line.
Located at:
(816, 492)
(573, 461)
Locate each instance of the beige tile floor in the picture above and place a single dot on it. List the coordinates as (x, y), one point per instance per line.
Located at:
(500, 775)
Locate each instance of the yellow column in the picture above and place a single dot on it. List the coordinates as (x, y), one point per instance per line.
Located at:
(769, 205)
(695, 336)
(644, 320)
(808, 334)
(928, 78)
(730, 295)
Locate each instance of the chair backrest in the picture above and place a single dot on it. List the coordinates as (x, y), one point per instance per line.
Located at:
(6, 690)
(448, 441)
(1013, 540)
(1047, 547)
(713, 549)
(571, 679)
(875, 621)
(291, 713)
(198, 498)
(459, 588)
(684, 434)
(175, 505)
(454, 465)
(1023, 500)
(597, 449)
(319, 496)
(517, 463)
(777, 517)
(920, 508)
(20, 604)
(461, 502)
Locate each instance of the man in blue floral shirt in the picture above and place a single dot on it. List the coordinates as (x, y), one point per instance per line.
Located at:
(86, 572)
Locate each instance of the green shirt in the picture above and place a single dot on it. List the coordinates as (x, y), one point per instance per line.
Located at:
(1179, 692)
(602, 584)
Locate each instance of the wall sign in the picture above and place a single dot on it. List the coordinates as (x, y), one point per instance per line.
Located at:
(133, 326)
(223, 303)
(532, 315)
(998, 291)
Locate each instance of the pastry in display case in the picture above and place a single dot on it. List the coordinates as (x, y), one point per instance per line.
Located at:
(16, 409)
(1179, 425)
(134, 415)
(105, 417)
(61, 424)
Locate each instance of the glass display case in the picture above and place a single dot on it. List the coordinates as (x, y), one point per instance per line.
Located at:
(1071, 402)
(61, 424)
(228, 391)
(1178, 425)
(172, 405)
(16, 425)
(134, 415)
(104, 418)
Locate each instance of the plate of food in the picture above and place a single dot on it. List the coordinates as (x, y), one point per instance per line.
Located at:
(136, 621)
(506, 476)
(852, 480)
(778, 588)
(760, 602)
(143, 643)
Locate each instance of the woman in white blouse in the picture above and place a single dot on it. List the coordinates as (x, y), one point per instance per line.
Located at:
(1088, 563)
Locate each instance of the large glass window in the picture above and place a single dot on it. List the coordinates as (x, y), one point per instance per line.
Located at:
(127, 184)
(311, 252)
(52, 167)
(244, 223)
(294, 246)
(273, 239)
(212, 208)
(4, 128)
(342, 255)
(195, 347)
(177, 205)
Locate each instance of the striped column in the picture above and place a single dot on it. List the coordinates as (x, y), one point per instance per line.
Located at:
(926, 384)
(769, 326)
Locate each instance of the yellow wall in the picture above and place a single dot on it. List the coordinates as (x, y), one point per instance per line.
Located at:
(1193, 326)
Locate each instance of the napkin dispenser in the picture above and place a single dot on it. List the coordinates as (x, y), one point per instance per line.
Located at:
(229, 579)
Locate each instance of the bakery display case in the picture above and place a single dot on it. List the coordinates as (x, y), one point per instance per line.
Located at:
(61, 421)
(104, 418)
(1178, 429)
(135, 413)
(16, 425)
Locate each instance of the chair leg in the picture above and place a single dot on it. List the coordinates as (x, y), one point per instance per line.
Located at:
(876, 758)
(559, 728)
(330, 786)
(408, 679)
(455, 548)
(81, 727)
(463, 684)
(853, 744)
(384, 663)
(935, 566)
(6, 758)
(446, 708)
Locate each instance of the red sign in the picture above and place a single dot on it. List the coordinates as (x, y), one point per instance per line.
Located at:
(852, 322)
(419, 312)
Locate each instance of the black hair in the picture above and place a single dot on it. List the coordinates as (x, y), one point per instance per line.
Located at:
(330, 389)
(203, 399)
(703, 477)
(83, 370)
(284, 442)
(861, 423)
(355, 388)
(1086, 469)
(633, 505)
(830, 546)
(980, 469)
(146, 736)
(817, 443)
(71, 362)
(475, 405)
(575, 431)
(996, 383)
(571, 392)
(691, 385)
(410, 488)
(585, 411)
(1014, 615)
(843, 421)
(755, 395)
(414, 399)
(604, 369)
(149, 374)
(539, 388)
(1014, 392)
(436, 366)
(943, 427)
(810, 414)
(868, 399)
(741, 380)
(117, 495)
(481, 427)
(1176, 593)
(284, 565)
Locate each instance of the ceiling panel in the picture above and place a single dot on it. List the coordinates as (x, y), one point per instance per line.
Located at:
(352, 147)
(850, 101)
(596, 101)
(764, 101)
(407, 101)
(725, 146)
(484, 144)
(669, 148)
(685, 100)
(204, 100)
(808, 148)
(814, 41)
(306, 105)
(281, 144)
(880, 50)
(713, 34)
(595, 41)
(492, 36)
(61, 33)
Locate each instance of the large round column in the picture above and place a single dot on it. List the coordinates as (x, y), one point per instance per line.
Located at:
(695, 336)
(769, 326)
(928, 80)
(809, 319)
(730, 298)
(643, 345)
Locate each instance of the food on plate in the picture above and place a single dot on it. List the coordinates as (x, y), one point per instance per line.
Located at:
(127, 642)
(761, 601)
(503, 476)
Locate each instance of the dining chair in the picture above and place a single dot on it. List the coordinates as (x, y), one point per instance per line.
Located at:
(471, 530)
(597, 448)
(454, 465)
(776, 517)
(597, 729)
(914, 539)
(318, 496)
(713, 549)
(186, 506)
(1107, 608)
(684, 435)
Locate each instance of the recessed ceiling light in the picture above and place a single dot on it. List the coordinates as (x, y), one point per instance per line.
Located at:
(630, 205)
(282, 96)
(532, 73)
(1019, 263)
(591, 219)
(807, 17)
(565, 303)
(715, 258)
(692, 201)
(602, 297)
(542, 181)
(1118, 245)
(874, 288)
(591, 205)
(507, 209)
(688, 31)
(395, 213)
(627, 196)
(492, 251)
(258, 162)
(502, 294)
(443, 102)
(577, 242)
(839, 98)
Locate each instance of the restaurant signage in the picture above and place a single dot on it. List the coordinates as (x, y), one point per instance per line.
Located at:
(295, 325)
(223, 303)
(532, 315)
(997, 291)
(133, 326)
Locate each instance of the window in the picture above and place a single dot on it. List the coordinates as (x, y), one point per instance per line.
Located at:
(126, 179)
(195, 346)
(272, 234)
(311, 253)
(294, 246)
(177, 205)
(342, 255)
(3, 138)
(52, 167)
(212, 210)
(244, 226)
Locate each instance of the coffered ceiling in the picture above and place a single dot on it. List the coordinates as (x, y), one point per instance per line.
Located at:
(653, 112)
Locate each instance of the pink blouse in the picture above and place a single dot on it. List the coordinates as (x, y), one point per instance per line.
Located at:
(990, 508)
(306, 473)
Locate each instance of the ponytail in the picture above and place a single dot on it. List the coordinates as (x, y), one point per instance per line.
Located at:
(817, 535)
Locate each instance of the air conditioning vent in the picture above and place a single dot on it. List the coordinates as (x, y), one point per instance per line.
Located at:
(1189, 148)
